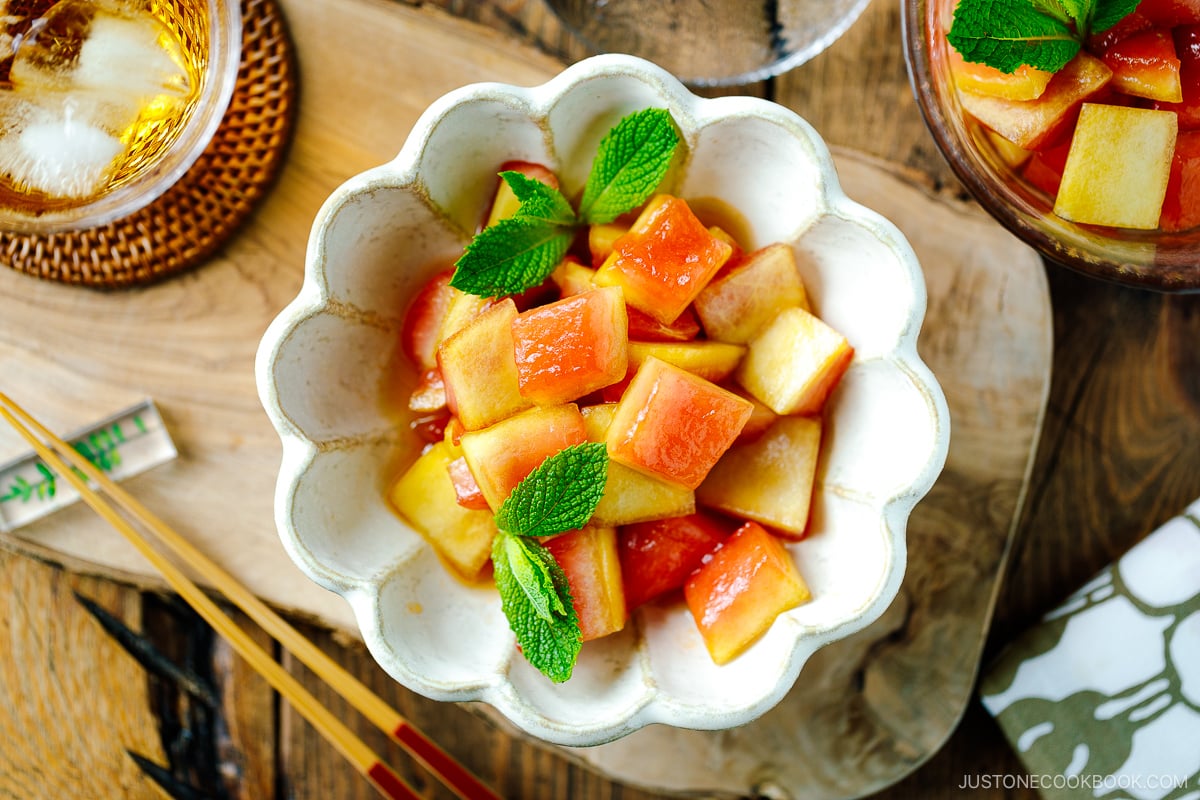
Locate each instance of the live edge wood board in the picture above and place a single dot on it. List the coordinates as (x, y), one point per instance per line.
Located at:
(865, 711)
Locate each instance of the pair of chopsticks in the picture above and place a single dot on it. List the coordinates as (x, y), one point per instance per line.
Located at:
(442, 765)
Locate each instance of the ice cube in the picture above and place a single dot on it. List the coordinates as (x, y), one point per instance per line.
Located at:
(59, 157)
(114, 115)
(16, 112)
(102, 64)
(8, 42)
(129, 56)
(46, 53)
(121, 58)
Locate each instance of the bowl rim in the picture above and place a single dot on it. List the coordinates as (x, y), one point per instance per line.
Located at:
(996, 197)
(363, 595)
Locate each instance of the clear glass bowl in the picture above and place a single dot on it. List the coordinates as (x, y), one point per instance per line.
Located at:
(1168, 262)
(712, 42)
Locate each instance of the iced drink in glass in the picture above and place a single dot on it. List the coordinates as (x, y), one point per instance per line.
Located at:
(105, 103)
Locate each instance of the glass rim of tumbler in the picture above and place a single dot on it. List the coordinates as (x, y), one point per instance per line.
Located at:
(220, 78)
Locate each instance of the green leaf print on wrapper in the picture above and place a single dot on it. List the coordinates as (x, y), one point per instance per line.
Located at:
(1104, 694)
(100, 448)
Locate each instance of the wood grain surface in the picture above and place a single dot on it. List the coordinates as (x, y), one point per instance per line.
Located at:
(65, 687)
(1119, 454)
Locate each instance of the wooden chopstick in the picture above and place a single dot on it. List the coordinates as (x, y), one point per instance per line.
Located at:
(449, 771)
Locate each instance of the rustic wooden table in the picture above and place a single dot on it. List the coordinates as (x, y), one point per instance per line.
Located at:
(1119, 454)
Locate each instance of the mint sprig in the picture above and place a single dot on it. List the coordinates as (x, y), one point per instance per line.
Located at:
(632, 160)
(539, 201)
(511, 256)
(520, 252)
(536, 600)
(1043, 34)
(559, 495)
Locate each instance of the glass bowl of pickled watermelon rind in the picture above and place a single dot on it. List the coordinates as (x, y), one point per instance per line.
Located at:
(1001, 180)
(326, 365)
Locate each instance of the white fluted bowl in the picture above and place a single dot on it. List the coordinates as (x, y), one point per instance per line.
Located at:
(324, 362)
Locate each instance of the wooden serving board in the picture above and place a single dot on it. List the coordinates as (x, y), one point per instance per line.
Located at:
(865, 711)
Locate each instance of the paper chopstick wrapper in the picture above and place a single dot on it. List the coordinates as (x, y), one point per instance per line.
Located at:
(123, 445)
(1101, 699)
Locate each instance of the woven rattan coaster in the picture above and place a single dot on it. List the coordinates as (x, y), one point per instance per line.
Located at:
(198, 214)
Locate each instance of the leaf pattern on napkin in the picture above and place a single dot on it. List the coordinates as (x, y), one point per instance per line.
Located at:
(1107, 686)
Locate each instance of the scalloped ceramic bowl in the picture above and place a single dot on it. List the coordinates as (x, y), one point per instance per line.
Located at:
(326, 362)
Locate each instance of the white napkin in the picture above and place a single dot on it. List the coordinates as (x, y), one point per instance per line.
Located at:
(1101, 699)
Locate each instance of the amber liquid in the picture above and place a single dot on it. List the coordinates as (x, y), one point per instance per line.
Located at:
(150, 118)
(714, 211)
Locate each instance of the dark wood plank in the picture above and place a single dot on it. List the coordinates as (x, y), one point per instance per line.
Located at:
(73, 701)
(248, 734)
(512, 767)
(1120, 453)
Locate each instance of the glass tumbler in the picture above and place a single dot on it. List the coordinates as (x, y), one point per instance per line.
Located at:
(105, 104)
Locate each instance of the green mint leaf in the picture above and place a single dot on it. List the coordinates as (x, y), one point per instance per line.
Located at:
(511, 256)
(559, 495)
(631, 162)
(536, 600)
(1008, 33)
(1109, 12)
(1065, 11)
(539, 201)
(534, 575)
(520, 252)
